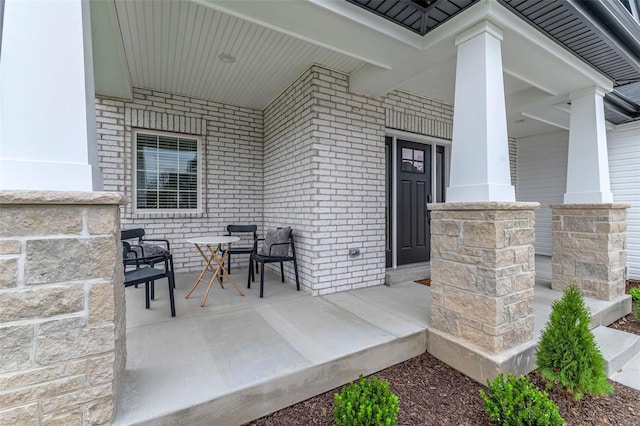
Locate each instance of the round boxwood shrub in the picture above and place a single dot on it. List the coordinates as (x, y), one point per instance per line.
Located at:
(366, 402)
(517, 402)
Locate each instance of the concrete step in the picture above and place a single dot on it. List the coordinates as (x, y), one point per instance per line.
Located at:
(629, 374)
(617, 347)
(408, 273)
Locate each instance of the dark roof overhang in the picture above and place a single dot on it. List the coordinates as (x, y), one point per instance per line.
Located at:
(602, 33)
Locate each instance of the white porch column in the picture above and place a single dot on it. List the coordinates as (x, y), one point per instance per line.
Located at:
(47, 111)
(480, 151)
(588, 164)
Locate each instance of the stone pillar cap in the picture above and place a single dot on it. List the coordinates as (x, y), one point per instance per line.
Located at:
(61, 197)
(484, 205)
(591, 206)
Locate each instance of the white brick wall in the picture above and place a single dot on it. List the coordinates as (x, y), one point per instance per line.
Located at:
(231, 164)
(318, 167)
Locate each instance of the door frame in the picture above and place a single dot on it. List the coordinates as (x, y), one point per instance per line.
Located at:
(421, 139)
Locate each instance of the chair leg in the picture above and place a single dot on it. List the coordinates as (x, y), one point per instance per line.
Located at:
(171, 266)
(261, 279)
(282, 271)
(146, 295)
(172, 301)
(153, 290)
(295, 269)
(249, 274)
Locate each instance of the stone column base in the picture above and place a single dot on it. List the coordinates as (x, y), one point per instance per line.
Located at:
(478, 364)
(482, 277)
(589, 248)
(62, 311)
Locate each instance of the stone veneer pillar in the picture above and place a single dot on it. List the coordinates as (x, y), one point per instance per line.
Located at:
(482, 279)
(589, 248)
(62, 317)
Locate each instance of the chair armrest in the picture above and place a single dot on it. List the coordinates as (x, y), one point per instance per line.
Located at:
(278, 244)
(255, 244)
(156, 240)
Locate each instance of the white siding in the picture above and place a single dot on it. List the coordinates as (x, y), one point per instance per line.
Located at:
(624, 169)
(542, 177)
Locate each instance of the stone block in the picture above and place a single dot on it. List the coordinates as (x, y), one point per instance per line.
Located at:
(101, 303)
(482, 234)
(471, 305)
(31, 377)
(450, 228)
(25, 415)
(65, 345)
(100, 412)
(66, 259)
(520, 237)
(41, 390)
(519, 310)
(101, 369)
(8, 273)
(75, 399)
(63, 418)
(41, 303)
(524, 281)
(592, 270)
(9, 247)
(492, 286)
(445, 320)
(520, 333)
(578, 224)
(453, 274)
(475, 337)
(29, 221)
(102, 220)
(16, 348)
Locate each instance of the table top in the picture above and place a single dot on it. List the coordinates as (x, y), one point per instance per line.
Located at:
(213, 239)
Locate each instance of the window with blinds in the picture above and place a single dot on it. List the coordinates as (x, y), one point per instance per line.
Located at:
(166, 172)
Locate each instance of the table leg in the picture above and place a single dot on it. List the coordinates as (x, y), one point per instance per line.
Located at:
(207, 268)
(218, 272)
(223, 270)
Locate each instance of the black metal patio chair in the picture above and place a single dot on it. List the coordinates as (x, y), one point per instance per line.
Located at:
(153, 250)
(146, 274)
(241, 249)
(277, 247)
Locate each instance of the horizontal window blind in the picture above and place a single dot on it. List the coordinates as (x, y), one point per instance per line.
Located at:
(166, 172)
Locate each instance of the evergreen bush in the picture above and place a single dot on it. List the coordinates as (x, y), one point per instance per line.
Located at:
(635, 294)
(517, 402)
(366, 402)
(567, 353)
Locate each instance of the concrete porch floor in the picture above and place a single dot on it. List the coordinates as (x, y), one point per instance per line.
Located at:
(239, 358)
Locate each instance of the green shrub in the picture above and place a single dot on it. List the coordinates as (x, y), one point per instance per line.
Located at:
(517, 402)
(567, 353)
(635, 294)
(365, 402)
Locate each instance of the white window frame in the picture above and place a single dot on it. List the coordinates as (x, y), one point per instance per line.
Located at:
(199, 156)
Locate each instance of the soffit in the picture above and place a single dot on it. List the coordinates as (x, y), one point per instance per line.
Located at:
(174, 46)
(572, 28)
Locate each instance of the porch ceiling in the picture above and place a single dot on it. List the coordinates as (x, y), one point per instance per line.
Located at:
(176, 46)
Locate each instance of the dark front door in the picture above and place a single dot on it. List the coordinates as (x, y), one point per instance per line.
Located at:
(414, 191)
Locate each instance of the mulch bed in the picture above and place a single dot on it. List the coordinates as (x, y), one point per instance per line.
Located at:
(432, 393)
(629, 323)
